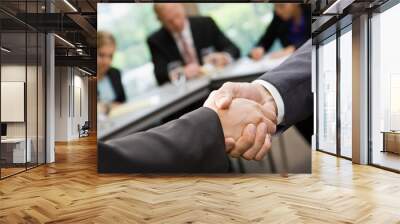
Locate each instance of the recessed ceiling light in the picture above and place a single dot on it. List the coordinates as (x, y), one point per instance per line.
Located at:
(84, 71)
(70, 5)
(64, 40)
(337, 7)
(5, 50)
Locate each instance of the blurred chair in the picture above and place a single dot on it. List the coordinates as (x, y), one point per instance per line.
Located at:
(84, 130)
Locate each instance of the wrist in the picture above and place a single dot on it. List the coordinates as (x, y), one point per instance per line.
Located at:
(266, 97)
(211, 107)
(219, 114)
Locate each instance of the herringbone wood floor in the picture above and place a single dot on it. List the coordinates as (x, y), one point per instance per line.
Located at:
(70, 191)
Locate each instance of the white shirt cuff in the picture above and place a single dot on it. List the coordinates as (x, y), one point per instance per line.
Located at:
(277, 97)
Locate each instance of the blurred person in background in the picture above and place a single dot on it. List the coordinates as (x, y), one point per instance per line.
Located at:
(109, 86)
(291, 25)
(185, 39)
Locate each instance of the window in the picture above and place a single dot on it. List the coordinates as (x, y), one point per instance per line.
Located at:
(251, 21)
(327, 96)
(139, 21)
(385, 89)
(346, 94)
(131, 24)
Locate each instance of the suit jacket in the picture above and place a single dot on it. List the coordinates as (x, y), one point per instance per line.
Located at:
(195, 142)
(115, 79)
(205, 34)
(292, 79)
(279, 29)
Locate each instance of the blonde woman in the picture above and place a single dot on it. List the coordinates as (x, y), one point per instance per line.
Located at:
(109, 85)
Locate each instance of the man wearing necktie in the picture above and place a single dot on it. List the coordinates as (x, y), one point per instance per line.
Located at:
(184, 39)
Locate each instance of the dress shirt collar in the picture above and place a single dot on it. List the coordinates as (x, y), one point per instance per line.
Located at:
(186, 33)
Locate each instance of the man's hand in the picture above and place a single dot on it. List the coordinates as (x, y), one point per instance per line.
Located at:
(257, 53)
(243, 118)
(192, 70)
(218, 59)
(284, 52)
(251, 145)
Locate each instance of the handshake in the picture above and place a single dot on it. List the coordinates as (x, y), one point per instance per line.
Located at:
(248, 115)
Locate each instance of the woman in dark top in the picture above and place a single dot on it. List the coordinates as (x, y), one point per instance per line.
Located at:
(109, 86)
(291, 25)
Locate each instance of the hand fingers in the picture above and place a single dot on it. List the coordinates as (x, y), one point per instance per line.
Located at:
(229, 144)
(245, 141)
(268, 113)
(210, 100)
(225, 95)
(223, 101)
(265, 148)
(258, 143)
(269, 117)
(271, 126)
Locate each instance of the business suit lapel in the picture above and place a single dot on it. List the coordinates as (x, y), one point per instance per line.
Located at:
(197, 37)
(171, 48)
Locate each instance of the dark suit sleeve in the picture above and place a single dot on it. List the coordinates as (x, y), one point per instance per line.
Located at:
(115, 76)
(222, 43)
(292, 79)
(160, 62)
(272, 33)
(193, 143)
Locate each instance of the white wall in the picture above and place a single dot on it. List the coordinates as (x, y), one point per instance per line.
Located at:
(12, 73)
(16, 73)
(71, 102)
(33, 126)
(61, 103)
(80, 109)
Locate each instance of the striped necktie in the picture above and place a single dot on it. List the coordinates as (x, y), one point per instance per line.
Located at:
(189, 55)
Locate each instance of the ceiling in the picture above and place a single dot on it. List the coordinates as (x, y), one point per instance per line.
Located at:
(74, 21)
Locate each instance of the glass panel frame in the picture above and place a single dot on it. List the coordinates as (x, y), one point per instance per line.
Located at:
(27, 57)
(383, 73)
(345, 93)
(326, 108)
(340, 88)
(14, 72)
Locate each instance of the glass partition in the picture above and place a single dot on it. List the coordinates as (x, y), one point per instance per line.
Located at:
(385, 89)
(346, 93)
(14, 144)
(22, 92)
(327, 96)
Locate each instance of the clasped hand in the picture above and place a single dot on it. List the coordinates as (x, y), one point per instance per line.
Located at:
(247, 113)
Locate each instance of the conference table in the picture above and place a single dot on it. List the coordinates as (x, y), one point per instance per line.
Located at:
(151, 107)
